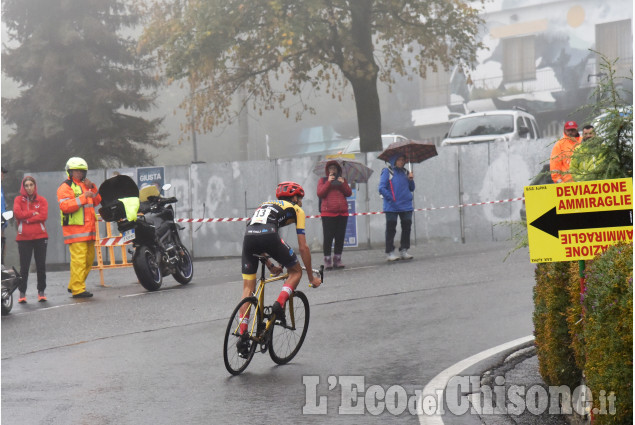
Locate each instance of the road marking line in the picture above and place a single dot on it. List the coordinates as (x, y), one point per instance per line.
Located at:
(441, 380)
(19, 313)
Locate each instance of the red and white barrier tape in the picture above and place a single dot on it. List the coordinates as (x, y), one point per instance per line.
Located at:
(113, 241)
(218, 220)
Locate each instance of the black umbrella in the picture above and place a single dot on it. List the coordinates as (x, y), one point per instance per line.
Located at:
(413, 150)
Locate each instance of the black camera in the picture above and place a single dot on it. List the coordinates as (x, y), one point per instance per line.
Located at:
(336, 181)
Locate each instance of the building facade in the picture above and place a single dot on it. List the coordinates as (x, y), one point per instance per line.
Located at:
(542, 56)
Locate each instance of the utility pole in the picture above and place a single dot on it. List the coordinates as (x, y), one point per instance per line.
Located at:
(192, 122)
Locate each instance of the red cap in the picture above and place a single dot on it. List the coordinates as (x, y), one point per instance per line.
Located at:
(570, 124)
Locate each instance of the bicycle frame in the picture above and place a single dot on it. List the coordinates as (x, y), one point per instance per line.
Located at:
(260, 295)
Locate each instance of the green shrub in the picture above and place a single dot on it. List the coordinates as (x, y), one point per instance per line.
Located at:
(556, 358)
(608, 331)
(575, 322)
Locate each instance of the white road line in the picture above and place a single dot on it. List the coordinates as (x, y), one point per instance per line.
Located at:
(440, 381)
(135, 295)
(19, 313)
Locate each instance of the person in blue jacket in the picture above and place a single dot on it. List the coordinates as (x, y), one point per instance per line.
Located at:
(396, 185)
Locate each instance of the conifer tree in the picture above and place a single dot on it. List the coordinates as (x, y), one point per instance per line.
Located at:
(83, 87)
(608, 155)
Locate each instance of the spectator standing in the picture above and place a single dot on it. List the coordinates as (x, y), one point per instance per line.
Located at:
(396, 185)
(77, 198)
(333, 191)
(588, 132)
(30, 211)
(584, 161)
(560, 160)
(4, 208)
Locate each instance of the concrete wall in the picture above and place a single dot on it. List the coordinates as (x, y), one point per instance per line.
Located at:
(458, 175)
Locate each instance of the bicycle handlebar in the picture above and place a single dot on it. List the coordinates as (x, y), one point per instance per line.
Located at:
(319, 271)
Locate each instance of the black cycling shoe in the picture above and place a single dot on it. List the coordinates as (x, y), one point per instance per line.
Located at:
(243, 346)
(278, 311)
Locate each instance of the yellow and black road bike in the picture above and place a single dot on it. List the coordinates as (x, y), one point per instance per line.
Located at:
(265, 332)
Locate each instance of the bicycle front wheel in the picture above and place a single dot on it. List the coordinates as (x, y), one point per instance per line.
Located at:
(286, 339)
(239, 347)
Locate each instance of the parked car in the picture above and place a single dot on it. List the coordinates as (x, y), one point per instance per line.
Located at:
(492, 126)
(386, 139)
(620, 117)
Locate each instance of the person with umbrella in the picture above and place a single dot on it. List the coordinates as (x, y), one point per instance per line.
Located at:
(333, 191)
(396, 185)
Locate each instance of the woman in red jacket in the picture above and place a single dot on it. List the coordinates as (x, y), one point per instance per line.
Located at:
(332, 191)
(30, 211)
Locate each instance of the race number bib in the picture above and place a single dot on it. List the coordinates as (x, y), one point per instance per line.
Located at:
(260, 216)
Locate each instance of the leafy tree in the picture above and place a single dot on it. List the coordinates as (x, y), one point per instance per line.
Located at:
(271, 52)
(608, 155)
(78, 80)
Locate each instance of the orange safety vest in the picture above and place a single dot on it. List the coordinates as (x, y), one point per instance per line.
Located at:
(78, 211)
(560, 160)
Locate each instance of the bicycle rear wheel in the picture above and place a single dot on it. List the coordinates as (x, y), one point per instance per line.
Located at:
(285, 341)
(234, 361)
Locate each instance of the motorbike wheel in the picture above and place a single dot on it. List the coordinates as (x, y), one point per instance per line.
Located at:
(185, 268)
(7, 301)
(146, 267)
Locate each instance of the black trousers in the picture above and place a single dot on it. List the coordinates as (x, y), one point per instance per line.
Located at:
(334, 228)
(37, 248)
(391, 229)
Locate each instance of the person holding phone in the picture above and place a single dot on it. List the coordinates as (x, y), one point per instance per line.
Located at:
(77, 198)
(332, 191)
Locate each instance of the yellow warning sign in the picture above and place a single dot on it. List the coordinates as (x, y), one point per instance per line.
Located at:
(577, 221)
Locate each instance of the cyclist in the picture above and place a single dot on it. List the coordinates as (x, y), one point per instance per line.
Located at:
(261, 236)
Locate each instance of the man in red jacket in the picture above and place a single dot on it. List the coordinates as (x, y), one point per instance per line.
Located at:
(30, 211)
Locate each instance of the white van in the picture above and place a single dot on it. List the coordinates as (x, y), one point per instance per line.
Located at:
(492, 126)
(386, 139)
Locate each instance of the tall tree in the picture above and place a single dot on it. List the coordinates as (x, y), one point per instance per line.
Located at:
(224, 45)
(83, 85)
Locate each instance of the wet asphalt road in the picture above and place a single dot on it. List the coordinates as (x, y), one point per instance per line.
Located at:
(127, 356)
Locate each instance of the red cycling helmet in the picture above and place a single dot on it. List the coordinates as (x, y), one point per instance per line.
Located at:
(289, 189)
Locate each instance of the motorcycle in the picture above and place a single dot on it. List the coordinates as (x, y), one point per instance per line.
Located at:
(157, 247)
(11, 279)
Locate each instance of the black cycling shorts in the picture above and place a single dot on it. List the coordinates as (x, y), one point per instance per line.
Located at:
(264, 239)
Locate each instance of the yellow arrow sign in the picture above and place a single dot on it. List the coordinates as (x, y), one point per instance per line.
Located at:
(577, 221)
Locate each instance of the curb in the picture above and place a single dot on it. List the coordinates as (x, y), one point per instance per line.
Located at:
(475, 364)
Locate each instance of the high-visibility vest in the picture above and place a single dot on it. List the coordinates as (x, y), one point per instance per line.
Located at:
(75, 218)
(131, 205)
(78, 216)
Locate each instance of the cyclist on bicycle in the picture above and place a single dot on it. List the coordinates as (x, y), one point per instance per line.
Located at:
(261, 237)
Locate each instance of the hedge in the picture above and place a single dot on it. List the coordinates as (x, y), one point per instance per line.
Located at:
(575, 321)
(556, 359)
(595, 335)
(608, 331)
